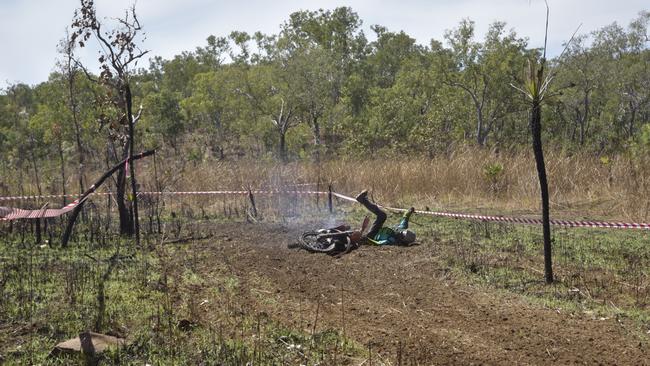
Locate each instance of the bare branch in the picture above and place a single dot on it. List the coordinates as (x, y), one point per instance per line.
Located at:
(546, 29)
(137, 116)
(83, 68)
(521, 90)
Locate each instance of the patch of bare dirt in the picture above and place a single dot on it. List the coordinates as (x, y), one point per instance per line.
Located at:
(399, 300)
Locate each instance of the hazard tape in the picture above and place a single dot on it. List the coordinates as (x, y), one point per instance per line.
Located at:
(231, 192)
(21, 198)
(7, 213)
(41, 197)
(518, 220)
(17, 213)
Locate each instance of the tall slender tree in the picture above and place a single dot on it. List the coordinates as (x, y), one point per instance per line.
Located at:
(70, 70)
(118, 58)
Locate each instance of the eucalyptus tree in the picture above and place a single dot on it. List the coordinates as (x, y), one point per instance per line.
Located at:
(324, 47)
(337, 31)
(70, 71)
(176, 75)
(268, 84)
(397, 72)
(583, 72)
(5, 143)
(168, 83)
(164, 116)
(626, 59)
(388, 54)
(19, 104)
(204, 109)
(50, 126)
(437, 119)
(484, 71)
(313, 77)
(606, 74)
(637, 81)
(272, 97)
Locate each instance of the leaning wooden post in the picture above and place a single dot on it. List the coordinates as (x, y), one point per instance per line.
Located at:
(252, 199)
(329, 198)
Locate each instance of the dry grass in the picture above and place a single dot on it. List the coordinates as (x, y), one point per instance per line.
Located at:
(470, 179)
(467, 180)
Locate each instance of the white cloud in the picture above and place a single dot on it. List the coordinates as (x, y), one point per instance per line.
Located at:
(31, 29)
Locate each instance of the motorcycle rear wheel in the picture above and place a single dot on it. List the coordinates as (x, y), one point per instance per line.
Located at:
(310, 241)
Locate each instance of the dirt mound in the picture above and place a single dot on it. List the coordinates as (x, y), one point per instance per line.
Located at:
(402, 304)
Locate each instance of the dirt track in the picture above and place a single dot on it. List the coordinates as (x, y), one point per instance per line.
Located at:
(392, 297)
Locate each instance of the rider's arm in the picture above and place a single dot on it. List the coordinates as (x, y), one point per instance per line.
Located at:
(404, 222)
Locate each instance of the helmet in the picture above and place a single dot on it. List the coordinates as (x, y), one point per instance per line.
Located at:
(407, 236)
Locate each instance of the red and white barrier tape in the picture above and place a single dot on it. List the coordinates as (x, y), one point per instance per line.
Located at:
(20, 198)
(14, 213)
(231, 192)
(518, 220)
(7, 213)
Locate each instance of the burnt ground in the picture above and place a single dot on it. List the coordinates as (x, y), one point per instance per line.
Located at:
(402, 301)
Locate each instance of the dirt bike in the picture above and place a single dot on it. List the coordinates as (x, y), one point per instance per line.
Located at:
(335, 240)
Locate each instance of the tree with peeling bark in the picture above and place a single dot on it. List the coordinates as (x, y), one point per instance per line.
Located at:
(118, 56)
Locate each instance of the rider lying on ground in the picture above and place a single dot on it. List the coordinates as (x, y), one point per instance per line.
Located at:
(383, 235)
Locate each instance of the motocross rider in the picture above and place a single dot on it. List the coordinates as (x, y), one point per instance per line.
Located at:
(384, 235)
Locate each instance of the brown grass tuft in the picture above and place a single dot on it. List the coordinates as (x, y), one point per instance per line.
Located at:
(581, 185)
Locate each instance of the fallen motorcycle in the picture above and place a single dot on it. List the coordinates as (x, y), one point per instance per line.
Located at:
(335, 240)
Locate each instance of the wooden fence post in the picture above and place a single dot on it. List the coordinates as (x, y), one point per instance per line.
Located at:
(252, 199)
(329, 198)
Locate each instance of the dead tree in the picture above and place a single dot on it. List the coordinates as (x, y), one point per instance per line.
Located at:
(118, 57)
(536, 89)
(97, 184)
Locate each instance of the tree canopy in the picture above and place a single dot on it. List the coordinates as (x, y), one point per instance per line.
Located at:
(320, 88)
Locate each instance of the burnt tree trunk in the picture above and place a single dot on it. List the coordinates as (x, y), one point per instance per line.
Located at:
(77, 209)
(38, 187)
(283, 146)
(536, 131)
(126, 220)
(134, 193)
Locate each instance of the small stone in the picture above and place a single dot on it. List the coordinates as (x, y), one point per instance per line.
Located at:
(89, 343)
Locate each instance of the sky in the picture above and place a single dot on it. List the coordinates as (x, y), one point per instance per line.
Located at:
(31, 29)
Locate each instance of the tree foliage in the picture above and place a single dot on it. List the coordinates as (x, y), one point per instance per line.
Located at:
(321, 88)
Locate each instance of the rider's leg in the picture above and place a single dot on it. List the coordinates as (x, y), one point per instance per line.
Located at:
(362, 198)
